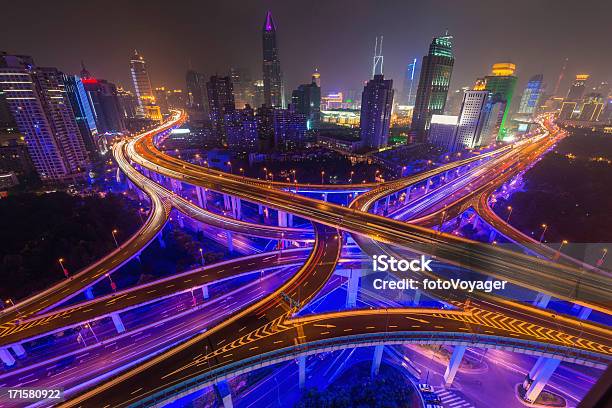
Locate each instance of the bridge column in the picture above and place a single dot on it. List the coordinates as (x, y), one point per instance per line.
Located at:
(324, 196)
(19, 350)
(542, 371)
(230, 241)
(236, 207)
(205, 293)
(6, 357)
(118, 322)
(227, 202)
(260, 209)
(352, 288)
(387, 202)
(428, 185)
(408, 191)
(201, 196)
(160, 239)
(282, 219)
(492, 235)
(118, 175)
(476, 222)
(585, 312)
(302, 368)
(89, 293)
(375, 206)
(541, 300)
(378, 352)
(225, 393)
(453, 364)
(290, 220)
(447, 175)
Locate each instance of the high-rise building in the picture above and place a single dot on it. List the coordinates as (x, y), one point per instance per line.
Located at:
(83, 114)
(316, 77)
(531, 95)
(434, 80)
(220, 102)
(265, 127)
(128, 103)
(241, 129)
(274, 93)
(576, 91)
(42, 111)
(442, 131)
(306, 99)
(408, 95)
(242, 84)
(568, 110)
(289, 129)
(6, 119)
(143, 88)
(475, 109)
(592, 107)
(197, 96)
(501, 83)
(376, 106)
(105, 105)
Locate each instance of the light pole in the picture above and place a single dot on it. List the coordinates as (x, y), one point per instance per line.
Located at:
(113, 285)
(509, 214)
(600, 261)
(114, 232)
(351, 178)
(544, 228)
(265, 170)
(202, 256)
(322, 176)
(87, 325)
(558, 254)
(229, 163)
(64, 270)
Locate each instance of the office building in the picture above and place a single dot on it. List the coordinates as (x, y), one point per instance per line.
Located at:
(220, 102)
(442, 131)
(289, 129)
(105, 105)
(265, 127)
(128, 103)
(408, 88)
(376, 106)
(144, 90)
(576, 91)
(197, 96)
(242, 84)
(434, 80)
(241, 130)
(501, 83)
(475, 109)
(84, 115)
(592, 107)
(531, 95)
(41, 109)
(306, 99)
(569, 109)
(272, 74)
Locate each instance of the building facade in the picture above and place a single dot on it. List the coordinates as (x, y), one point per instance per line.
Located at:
(274, 93)
(376, 106)
(532, 95)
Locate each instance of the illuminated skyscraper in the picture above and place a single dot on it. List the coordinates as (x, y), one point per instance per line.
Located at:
(274, 93)
(434, 80)
(475, 109)
(39, 104)
(592, 107)
(408, 86)
(242, 85)
(143, 88)
(197, 97)
(306, 99)
(376, 106)
(576, 91)
(220, 103)
(501, 83)
(83, 113)
(531, 95)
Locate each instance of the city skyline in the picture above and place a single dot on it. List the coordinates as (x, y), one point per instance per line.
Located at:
(330, 35)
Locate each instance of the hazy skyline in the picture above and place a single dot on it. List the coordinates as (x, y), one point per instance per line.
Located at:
(336, 36)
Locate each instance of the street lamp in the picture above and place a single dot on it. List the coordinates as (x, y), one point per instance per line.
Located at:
(322, 175)
(114, 232)
(544, 228)
(113, 285)
(509, 214)
(61, 262)
(564, 242)
(351, 178)
(202, 256)
(229, 163)
(600, 261)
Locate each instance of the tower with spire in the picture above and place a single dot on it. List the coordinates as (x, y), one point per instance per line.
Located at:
(272, 74)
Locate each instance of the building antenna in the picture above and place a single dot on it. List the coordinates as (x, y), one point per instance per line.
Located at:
(378, 57)
(561, 75)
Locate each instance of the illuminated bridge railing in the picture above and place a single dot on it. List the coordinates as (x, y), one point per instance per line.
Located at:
(563, 353)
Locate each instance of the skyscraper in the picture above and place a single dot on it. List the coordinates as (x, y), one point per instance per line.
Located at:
(475, 110)
(576, 91)
(220, 102)
(306, 99)
(531, 95)
(38, 102)
(197, 97)
(143, 88)
(289, 129)
(592, 107)
(376, 106)
(434, 80)
(105, 105)
(242, 85)
(501, 83)
(408, 86)
(83, 113)
(272, 74)
(241, 129)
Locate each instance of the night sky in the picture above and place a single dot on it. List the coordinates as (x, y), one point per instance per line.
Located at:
(336, 36)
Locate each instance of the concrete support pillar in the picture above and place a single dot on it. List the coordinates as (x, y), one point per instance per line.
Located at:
(19, 350)
(160, 239)
(282, 219)
(230, 241)
(236, 207)
(227, 202)
(536, 384)
(6, 357)
(387, 202)
(476, 222)
(290, 220)
(352, 288)
(205, 294)
(447, 175)
(118, 322)
(541, 300)
(89, 293)
(417, 297)
(324, 196)
(453, 364)
(201, 197)
(260, 209)
(375, 207)
(378, 352)
(492, 236)
(408, 191)
(118, 175)
(428, 185)
(225, 393)
(585, 312)
(302, 367)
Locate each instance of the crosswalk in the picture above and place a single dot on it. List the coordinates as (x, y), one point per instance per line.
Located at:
(451, 400)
